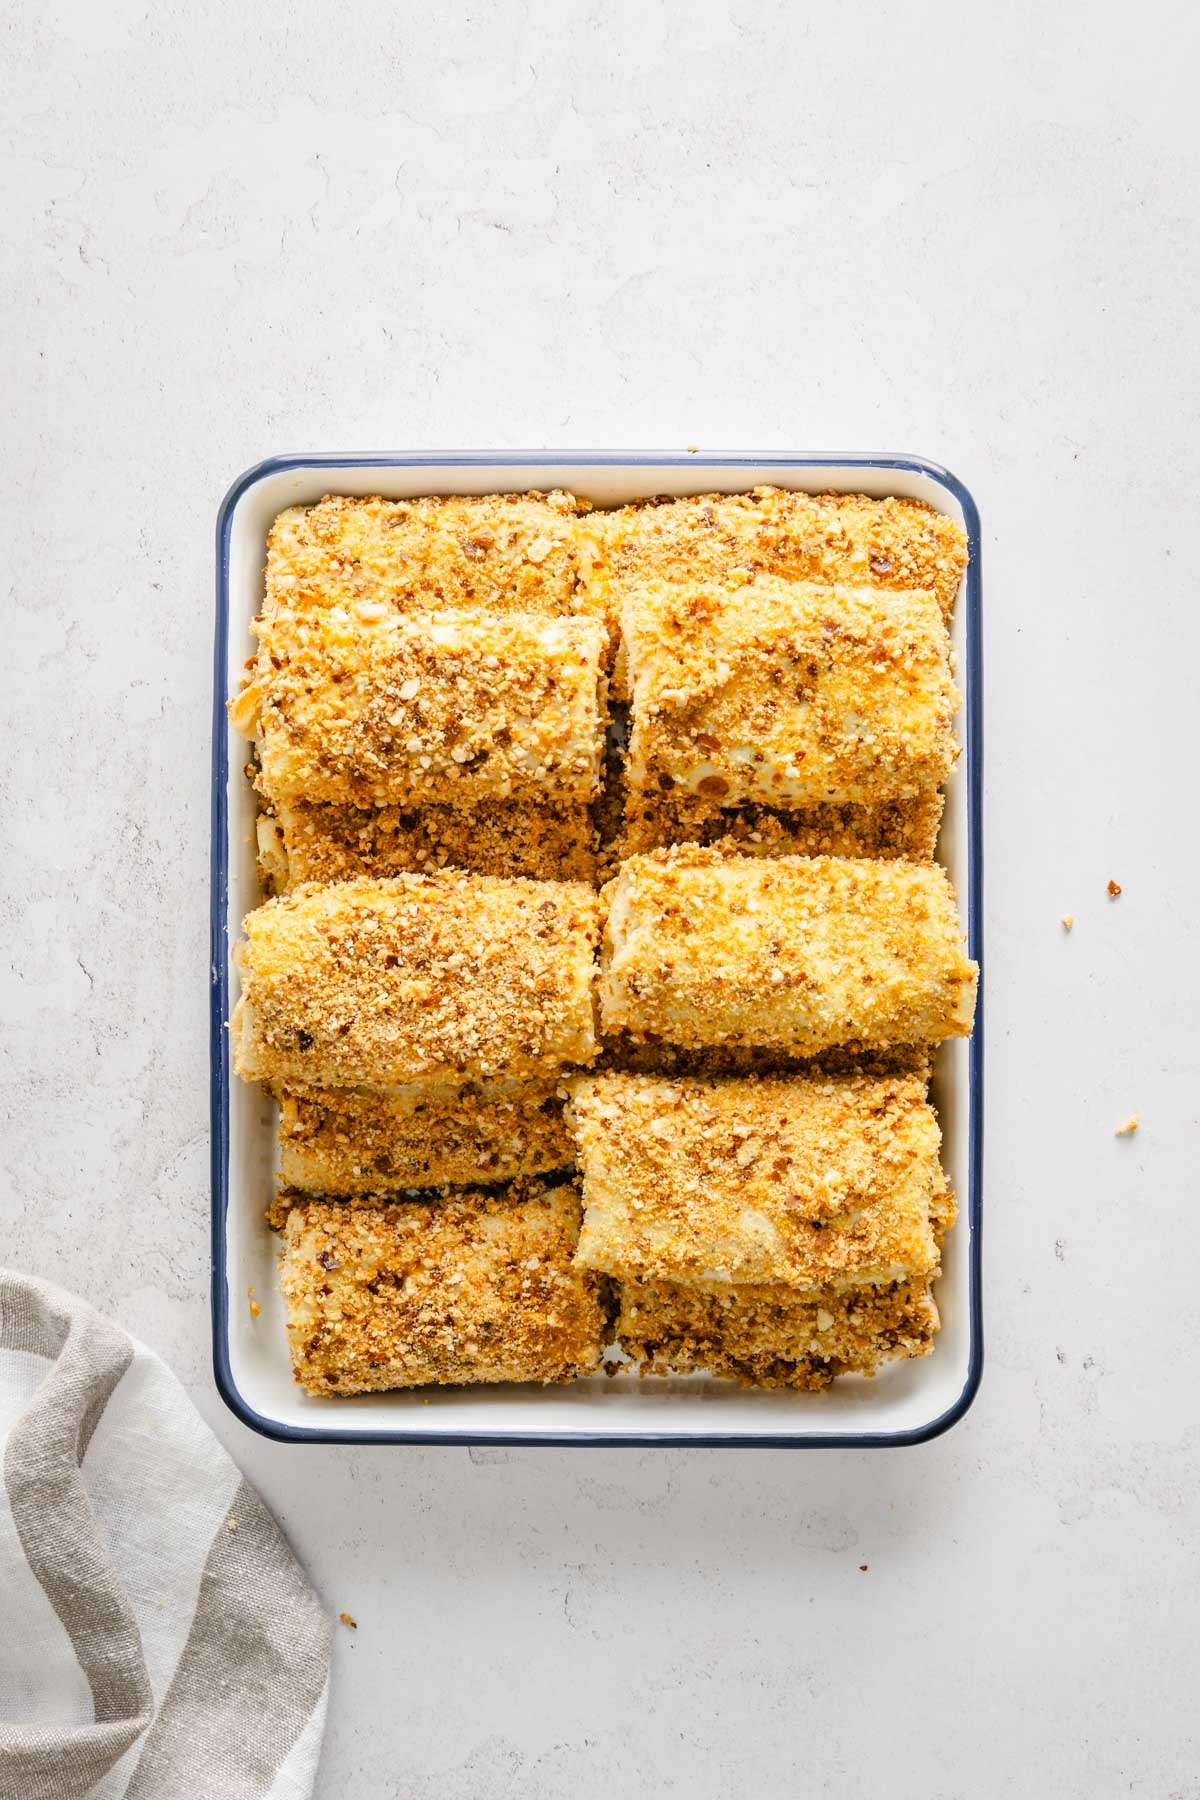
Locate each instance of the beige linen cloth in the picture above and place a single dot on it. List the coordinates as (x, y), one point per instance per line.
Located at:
(158, 1638)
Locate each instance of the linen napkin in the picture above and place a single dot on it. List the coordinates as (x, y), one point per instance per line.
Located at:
(158, 1639)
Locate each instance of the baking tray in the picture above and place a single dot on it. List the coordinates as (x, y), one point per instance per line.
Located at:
(907, 1404)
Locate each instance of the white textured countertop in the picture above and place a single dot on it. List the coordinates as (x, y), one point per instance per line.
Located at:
(971, 233)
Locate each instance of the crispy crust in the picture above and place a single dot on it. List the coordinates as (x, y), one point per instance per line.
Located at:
(305, 842)
(422, 981)
(504, 838)
(500, 552)
(338, 1142)
(893, 828)
(788, 693)
(784, 1181)
(773, 1337)
(732, 539)
(796, 953)
(359, 706)
(631, 1056)
(475, 1288)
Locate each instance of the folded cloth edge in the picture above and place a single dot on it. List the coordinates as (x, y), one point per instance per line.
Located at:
(257, 1651)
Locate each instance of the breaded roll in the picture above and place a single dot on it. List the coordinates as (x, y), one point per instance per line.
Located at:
(787, 1181)
(498, 552)
(775, 1337)
(499, 837)
(653, 820)
(734, 538)
(356, 705)
(337, 1141)
(424, 982)
(788, 693)
(477, 1287)
(798, 953)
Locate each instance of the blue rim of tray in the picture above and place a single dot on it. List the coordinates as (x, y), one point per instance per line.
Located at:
(219, 950)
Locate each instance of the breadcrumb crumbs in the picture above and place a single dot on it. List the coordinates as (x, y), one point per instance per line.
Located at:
(1129, 1127)
(1068, 920)
(1114, 889)
(351, 1624)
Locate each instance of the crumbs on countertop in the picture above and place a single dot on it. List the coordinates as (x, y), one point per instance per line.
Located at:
(1068, 920)
(345, 1619)
(1129, 1127)
(1114, 889)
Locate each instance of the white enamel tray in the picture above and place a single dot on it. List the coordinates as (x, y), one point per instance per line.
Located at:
(907, 1404)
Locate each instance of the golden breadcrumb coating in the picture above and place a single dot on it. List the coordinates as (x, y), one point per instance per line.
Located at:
(478, 1287)
(788, 693)
(304, 842)
(788, 1181)
(429, 981)
(799, 953)
(337, 1141)
(633, 1056)
(500, 837)
(892, 828)
(735, 538)
(499, 552)
(359, 706)
(775, 1337)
